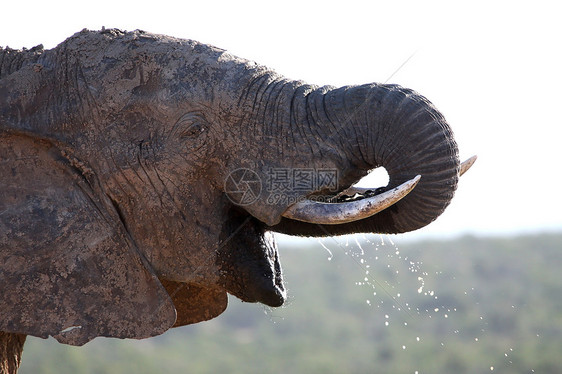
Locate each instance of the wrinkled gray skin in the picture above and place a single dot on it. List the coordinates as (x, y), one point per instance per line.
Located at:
(115, 149)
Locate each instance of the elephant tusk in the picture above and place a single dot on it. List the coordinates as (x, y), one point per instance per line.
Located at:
(351, 191)
(337, 213)
(467, 164)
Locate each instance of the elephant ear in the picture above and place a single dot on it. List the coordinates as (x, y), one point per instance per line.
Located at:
(68, 267)
(195, 303)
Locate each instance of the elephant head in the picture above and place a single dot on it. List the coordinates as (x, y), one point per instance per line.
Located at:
(140, 176)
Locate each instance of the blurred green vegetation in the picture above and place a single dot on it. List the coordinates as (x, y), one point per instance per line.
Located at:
(470, 305)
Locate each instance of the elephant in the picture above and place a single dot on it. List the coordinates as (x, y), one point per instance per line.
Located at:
(142, 175)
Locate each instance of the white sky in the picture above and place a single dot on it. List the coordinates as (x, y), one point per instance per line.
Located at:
(493, 69)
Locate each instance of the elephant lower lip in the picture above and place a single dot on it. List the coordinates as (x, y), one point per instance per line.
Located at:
(270, 295)
(249, 262)
(265, 276)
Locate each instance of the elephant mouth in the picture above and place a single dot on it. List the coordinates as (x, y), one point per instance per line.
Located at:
(249, 260)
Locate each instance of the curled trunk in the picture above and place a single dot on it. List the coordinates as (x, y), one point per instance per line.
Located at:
(392, 127)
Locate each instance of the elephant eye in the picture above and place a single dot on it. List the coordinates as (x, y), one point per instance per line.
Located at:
(190, 126)
(193, 131)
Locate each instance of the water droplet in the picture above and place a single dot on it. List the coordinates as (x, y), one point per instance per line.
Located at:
(403, 347)
(417, 338)
(327, 249)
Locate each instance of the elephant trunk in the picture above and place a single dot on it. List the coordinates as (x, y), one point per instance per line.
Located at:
(392, 127)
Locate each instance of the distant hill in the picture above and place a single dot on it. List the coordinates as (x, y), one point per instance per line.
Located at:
(470, 305)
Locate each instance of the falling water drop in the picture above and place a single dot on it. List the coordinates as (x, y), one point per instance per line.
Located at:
(327, 249)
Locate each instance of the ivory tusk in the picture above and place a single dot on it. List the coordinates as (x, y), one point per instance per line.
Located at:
(363, 190)
(467, 164)
(337, 213)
